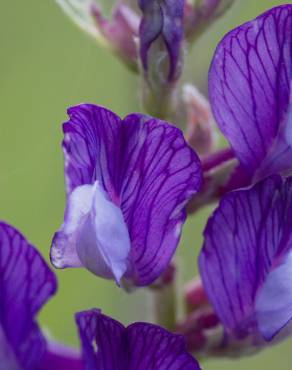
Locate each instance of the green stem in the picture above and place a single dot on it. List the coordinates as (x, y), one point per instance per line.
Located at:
(164, 301)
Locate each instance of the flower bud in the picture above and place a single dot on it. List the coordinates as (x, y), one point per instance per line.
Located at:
(199, 16)
(161, 32)
(161, 38)
(117, 34)
(221, 173)
(200, 123)
(202, 330)
(195, 295)
(120, 32)
(205, 336)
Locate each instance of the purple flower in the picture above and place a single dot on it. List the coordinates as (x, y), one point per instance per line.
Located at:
(128, 182)
(26, 283)
(250, 90)
(139, 346)
(246, 261)
(162, 21)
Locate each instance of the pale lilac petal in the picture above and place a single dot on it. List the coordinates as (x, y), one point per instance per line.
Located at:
(26, 284)
(63, 250)
(146, 173)
(274, 301)
(250, 91)
(108, 345)
(245, 256)
(94, 234)
(103, 245)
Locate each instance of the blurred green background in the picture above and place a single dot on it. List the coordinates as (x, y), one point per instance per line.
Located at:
(46, 65)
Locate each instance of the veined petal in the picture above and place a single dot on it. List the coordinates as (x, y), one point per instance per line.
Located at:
(152, 347)
(92, 147)
(108, 345)
(246, 255)
(160, 174)
(102, 341)
(250, 91)
(144, 169)
(26, 283)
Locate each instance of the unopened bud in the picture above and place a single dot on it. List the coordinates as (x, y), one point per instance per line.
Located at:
(195, 295)
(117, 34)
(161, 32)
(206, 336)
(221, 173)
(120, 31)
(161, 40)
(79, 11)
(200, 132)
(202, 330)
(198, 16)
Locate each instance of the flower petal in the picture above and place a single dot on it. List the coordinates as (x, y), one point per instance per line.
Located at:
(244, 258)
(152, 347)
(274, 302)
(104, 244)
(145, 168)
(108, 345)
(26, 284)
(8, 358)
(102, 341)
(61, 357)
(160, 174)
(94, 234)
(92, 147)
(250, 87)
(63, 250)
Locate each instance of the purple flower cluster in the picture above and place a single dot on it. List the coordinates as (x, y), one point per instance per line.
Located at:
(246, 260)
(128, 183)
